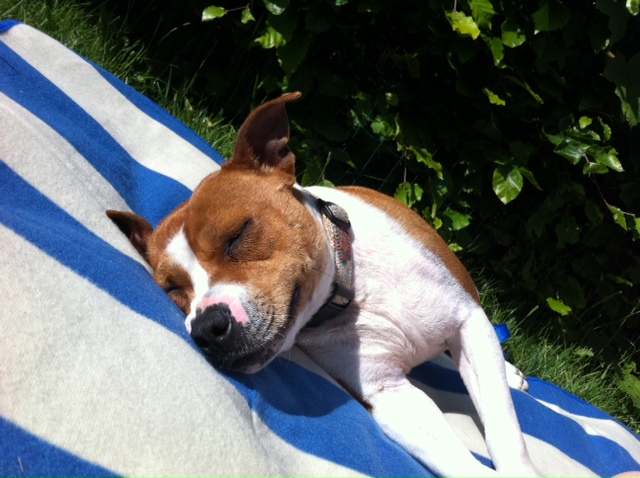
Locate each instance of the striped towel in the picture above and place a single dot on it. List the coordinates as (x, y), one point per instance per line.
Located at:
(97, 374)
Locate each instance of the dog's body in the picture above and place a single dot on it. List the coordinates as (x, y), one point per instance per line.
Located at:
(258, 263)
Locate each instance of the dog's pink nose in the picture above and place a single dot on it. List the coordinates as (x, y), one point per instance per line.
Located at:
(234, 305)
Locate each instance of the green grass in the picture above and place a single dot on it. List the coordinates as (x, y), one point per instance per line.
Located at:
(92, 31)
(538, 353)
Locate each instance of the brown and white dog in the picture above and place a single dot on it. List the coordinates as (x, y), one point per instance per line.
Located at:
(359, 281)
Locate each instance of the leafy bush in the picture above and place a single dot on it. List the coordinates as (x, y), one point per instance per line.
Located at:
(512, 126)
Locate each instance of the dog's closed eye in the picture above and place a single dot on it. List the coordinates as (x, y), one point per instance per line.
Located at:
(238, 240)
(172, 289)
(178, 295)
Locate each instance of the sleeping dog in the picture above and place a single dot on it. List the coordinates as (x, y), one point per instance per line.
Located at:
(359, 281)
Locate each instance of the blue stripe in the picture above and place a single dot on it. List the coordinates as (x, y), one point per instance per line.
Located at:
(7, 24)
(23, 454)
(315, 416)
(148, 193)
(440, 378)
(33, 216)
(503, 332)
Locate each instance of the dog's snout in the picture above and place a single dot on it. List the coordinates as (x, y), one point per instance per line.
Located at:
(212, 326)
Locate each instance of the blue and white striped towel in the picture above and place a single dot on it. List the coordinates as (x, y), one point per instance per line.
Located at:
(97, 374)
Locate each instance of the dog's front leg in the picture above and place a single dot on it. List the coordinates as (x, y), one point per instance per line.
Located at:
(410, 418)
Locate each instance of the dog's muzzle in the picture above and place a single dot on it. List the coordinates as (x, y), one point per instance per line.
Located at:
(228, 344)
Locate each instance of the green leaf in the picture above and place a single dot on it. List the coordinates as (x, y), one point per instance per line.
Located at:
(455, 247)
(425, 157)
(619, 217)
(497, 50)
(567, 231)
(550, 16)
(558, 306)
(522, 151)
(270, 39)
(458, 219)
(276, 6)
(507, 183)
(291, 54)
(408, 193)
(213, 12)
(530, 177)
(555, 138)
(543, 216)
(482, 12)
(624, 74)
(512, 35)
(599, 36)
(633, 6)
(314, 170)
(391, 98)
(385, 128)
(584, 121)
(572, 149)
(247, 16)
(594, 168)
(618, 24)
(463, 24)
(606, 130)
(493, 98)
(623, 281)
(417, 192)
(436, 222)
(594, 214)
(413, 64)
(572, 292)
(609, 157)
(325, 183)
(286, 24)
(527, 88)
(587, 135)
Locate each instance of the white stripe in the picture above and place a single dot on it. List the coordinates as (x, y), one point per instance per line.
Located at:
(152, 145)
(50, 164)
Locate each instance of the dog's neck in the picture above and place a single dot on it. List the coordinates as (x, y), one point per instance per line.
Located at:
(336, 224)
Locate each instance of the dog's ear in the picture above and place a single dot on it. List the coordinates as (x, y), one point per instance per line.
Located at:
(263, 137)
(135, 227)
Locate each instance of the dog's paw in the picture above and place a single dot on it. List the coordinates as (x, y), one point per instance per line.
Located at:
(515, 378)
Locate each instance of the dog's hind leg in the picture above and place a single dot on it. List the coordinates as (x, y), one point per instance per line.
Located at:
(477, 351)
(410, 418)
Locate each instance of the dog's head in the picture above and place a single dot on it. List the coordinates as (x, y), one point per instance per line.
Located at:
(244, 258)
